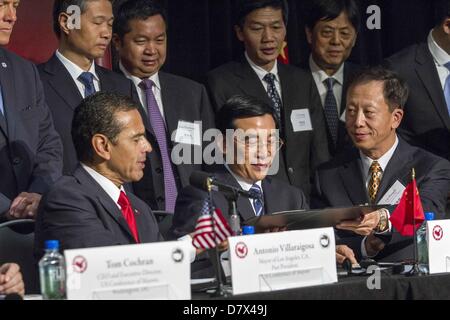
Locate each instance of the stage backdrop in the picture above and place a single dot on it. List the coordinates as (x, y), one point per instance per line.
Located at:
(201, 33)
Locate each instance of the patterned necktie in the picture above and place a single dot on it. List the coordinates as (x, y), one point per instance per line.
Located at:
(330, 109)
(447, 88)
(375, 172)
(87, 79)
(273, 95)
(257, 202)
(159, 127)
(128, 214)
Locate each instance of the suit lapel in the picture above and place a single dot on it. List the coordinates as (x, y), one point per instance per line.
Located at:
(108, 204)
(142, 223)
(430, 80)
(244, 207)
(62, 82)
(105, 83)
(352, 179)
(398, 168)
(7, 81)
(250, 83)
(170, 102)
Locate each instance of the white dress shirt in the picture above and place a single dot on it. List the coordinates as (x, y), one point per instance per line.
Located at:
(320, 76)
(245, 185)
(261, 73)
(366, 162)
(75, 71)
(440, 57)
(141, 92)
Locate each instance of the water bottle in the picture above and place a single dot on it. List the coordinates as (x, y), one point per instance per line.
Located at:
(248, 230)
(422, 249)
(52, 272)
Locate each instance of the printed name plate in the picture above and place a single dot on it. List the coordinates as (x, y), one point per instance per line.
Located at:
(438, 240)
(282, 260)
(145, 271)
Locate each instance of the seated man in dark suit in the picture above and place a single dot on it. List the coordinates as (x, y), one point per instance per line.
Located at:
(380, 164)
(248, 158)
(290, 91)
(426, 69)
(331, 31)
(30, 148)
(71, 74)
(169, 102)
(91, 208)
(11, 279)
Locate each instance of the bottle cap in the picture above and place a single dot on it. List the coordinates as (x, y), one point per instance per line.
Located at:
(248, 230)
(52, 244)
(429, 216)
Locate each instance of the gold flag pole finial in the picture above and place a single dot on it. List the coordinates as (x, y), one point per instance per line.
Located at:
(413, 173)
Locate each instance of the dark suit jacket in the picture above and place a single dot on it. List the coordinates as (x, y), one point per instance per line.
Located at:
(80, 214)
(344, 142)
(339, 183)
(278, 196)
(183, 100)
(303, 150)
(62, 96)
(426, 122)
(30, 148)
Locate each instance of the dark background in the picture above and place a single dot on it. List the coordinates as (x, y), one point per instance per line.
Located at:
(201, 35)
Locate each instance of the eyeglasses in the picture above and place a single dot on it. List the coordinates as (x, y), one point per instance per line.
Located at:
(252, 143)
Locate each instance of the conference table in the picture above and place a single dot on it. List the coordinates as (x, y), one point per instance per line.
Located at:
(391, 287)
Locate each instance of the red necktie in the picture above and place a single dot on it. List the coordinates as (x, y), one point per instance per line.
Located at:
(128, 214)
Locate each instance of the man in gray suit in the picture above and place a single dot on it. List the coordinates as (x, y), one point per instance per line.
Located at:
(380, 165)
(261, 26)
(91, 208)
(172, 106)
(30, 148)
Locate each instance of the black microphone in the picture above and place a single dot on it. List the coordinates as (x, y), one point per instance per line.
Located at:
(199, 179)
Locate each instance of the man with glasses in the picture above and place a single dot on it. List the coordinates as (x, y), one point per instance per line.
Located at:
(249, 142)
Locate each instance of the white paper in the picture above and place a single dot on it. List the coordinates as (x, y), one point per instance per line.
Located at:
(188, 133)
(282, 260)
(300, 119)
(393, 195)
(143, 271)
(438, 241)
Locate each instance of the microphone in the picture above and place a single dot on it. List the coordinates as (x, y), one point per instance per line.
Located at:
(200, 179)
(13, 296)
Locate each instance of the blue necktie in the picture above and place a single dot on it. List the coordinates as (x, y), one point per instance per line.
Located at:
(87, 79)
(273, 95)
(447, 88)
(330, 109)
(159, 127)
(257, 202)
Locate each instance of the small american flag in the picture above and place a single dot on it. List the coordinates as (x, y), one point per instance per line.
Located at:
(204, 236)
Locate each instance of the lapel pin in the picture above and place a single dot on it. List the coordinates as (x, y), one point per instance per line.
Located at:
(4, 65)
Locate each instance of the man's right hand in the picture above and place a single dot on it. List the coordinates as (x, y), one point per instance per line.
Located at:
(343, 252)
(24, 206)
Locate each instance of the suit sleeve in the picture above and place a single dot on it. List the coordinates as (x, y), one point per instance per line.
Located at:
(48, 163)
(187, 210)
(70, 218)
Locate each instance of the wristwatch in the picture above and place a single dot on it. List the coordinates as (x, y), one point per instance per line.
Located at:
(383, 222)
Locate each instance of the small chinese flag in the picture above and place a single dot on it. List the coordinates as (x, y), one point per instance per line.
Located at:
(283, 56)
(408, 215)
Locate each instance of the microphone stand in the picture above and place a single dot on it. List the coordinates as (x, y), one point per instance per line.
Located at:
(221, 290)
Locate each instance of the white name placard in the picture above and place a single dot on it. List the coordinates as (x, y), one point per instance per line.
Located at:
(438, 240)
(145, 271)
(282, 260)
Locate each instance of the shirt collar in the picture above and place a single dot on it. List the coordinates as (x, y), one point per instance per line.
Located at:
(244, 184)
(110, 188)
(74, 70)
(322, 75)
(383, 160)
(261, 72)
(136, 80)
(440, 56)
